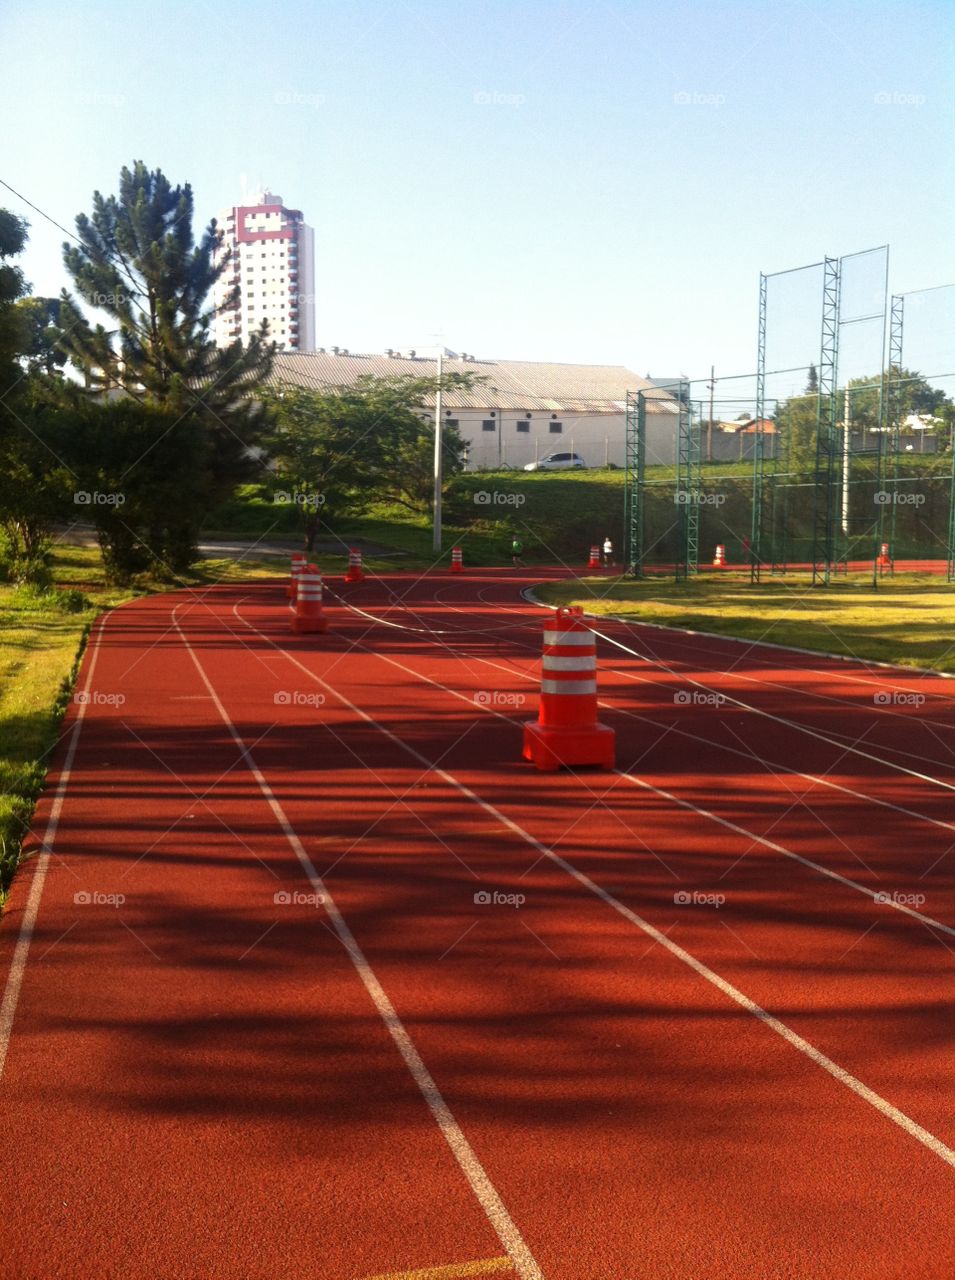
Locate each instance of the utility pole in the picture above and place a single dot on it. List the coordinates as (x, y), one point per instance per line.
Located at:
(438, 468)
(709, 425)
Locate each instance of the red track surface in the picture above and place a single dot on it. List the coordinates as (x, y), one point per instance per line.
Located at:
(604, 1082)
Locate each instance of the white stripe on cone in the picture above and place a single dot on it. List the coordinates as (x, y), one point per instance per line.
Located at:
(568, 686)
(579, 639)
(552, 663)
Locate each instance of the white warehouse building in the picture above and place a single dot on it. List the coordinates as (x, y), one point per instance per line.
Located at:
(523, 411)
(271, 255)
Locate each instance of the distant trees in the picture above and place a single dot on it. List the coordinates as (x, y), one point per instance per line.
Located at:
(796, 417)
(909, 390)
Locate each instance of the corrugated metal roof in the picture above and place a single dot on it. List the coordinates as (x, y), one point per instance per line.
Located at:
(510, 384)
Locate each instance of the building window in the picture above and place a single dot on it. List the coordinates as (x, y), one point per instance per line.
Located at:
(488, 424)
(523, 426)
(451, 422)
(556, 428)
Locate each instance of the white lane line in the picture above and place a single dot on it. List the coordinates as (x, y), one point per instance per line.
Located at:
(651, 659)
(705, 636)
(882, 1105)
(484, 1190)
(655, 661)
(694, 737)
(785, 768)
(840, 740)
(790, 724)
(21, 953)
(750, 835)
(703, 813)
(842, 746)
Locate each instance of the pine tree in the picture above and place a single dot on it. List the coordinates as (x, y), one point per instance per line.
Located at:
(137, 260)
(812, 385)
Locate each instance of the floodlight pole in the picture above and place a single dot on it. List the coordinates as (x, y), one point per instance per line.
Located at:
(436, 539)
(845, 463)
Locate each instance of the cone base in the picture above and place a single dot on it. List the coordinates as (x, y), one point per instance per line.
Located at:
(356, 576)
(302, 625)
(553, 749)
(457, 568)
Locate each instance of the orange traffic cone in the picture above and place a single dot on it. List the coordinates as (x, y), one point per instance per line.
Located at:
(566, 731)
(298, 564)
(457, 560)
(719, 559)
(594, 561)
(355, 572)
(308, 615)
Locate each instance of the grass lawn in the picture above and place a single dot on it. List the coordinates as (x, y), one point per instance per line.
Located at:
(41, 639)
(909, 620)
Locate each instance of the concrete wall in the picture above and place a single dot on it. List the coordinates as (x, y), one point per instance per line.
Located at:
(739, 447)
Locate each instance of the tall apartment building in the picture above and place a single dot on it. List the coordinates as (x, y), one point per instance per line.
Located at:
(273, 263)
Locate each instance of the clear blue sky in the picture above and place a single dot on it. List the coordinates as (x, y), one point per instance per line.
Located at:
(522, 178)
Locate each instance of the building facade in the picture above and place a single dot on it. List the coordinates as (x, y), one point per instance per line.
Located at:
(270, 253)
(518, 411)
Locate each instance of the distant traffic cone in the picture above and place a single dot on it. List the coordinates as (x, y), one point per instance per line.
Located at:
(457, 560)
(594, 561)
(307, 614)
(298, 564)
(355, 572)
(566, 731)
(719, 559)
(885, 559)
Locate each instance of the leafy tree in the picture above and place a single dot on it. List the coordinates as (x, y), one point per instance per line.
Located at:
(334, 452)
(812, 382)
(137, 261)
(35, 481)
(40, 318)
(796, 420)
(914, 395)
(405, 445)
(32, 478)
(320, 447)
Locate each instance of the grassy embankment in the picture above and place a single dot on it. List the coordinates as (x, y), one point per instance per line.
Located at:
(558, 515)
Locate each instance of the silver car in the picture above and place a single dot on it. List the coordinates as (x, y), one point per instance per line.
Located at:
(558, 462)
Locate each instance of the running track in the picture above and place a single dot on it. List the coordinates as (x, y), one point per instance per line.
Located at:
(616, 1079)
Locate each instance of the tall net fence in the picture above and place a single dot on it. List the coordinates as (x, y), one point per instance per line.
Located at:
(835, 454)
